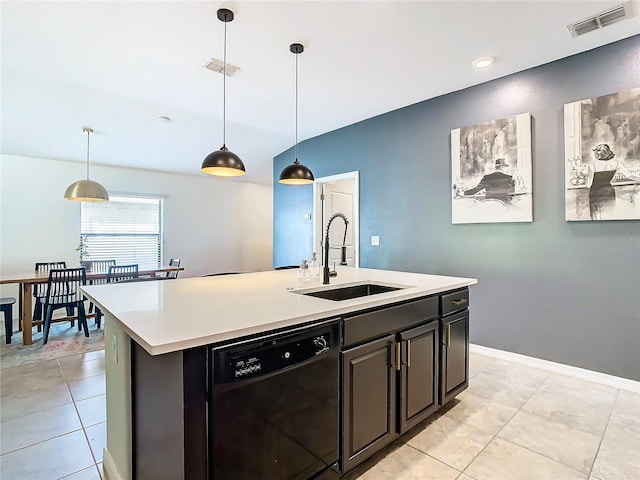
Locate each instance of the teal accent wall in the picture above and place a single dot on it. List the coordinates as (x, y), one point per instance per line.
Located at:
(568, 292)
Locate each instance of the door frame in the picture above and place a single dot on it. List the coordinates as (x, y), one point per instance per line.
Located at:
(355, 222)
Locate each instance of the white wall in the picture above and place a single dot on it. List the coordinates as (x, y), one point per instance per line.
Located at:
(212, 224)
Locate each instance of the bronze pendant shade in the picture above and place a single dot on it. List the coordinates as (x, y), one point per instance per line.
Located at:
(86, 190)
(296, 173)
(223, 162)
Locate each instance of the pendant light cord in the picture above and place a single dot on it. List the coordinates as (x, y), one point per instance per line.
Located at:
(88, 133)
(224, 88)
(296, 107)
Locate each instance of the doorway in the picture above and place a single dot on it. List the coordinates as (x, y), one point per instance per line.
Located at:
(332, 194)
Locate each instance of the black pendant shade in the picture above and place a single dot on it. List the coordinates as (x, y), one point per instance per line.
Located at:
(223, 163)
(296, 173)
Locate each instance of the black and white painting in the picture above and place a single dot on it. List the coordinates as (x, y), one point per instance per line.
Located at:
(491, 171)
(602, 157)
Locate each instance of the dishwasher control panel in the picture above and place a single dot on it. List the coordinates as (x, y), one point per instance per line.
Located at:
(264, 355)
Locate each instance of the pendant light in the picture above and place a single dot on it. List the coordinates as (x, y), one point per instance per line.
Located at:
(223, 162)
(296, 173)
(86, 190)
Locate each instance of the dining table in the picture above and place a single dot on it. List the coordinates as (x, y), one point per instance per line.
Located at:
(26, 281)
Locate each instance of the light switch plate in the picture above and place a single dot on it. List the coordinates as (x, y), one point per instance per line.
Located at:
(375, 240)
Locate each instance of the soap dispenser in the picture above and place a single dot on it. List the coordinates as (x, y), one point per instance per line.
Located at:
(314, 268)
(303, 272)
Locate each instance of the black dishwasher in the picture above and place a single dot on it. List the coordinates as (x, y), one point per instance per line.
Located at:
(274, 409)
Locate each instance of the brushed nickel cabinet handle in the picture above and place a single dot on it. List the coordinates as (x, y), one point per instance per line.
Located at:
(397, 355)
(447, 334)
(461, 301)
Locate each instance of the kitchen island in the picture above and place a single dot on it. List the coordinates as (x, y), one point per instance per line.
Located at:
(158, 336)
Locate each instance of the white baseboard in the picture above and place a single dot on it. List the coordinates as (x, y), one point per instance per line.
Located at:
(110, 469)
(581, 373)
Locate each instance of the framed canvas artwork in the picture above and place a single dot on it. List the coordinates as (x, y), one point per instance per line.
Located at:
(602, 157)
(491, 172)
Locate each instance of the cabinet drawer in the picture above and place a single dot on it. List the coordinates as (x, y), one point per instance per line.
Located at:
(365, 326)
(454, 301)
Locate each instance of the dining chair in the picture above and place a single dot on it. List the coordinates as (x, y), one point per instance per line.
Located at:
(118, 274)
(121, 273)
(99, 266)
(40, 290)
(63, 291)
(174, 262)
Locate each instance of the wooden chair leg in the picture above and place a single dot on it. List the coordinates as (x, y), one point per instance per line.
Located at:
(47, 324)
(98, 317)
(82, 319)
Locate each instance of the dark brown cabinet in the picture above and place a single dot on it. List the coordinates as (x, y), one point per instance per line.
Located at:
(419, 374)
(389, 386)
(454, 352)
(368, 400)
(391, 383)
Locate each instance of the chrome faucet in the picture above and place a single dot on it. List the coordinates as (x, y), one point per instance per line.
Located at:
(343, 257)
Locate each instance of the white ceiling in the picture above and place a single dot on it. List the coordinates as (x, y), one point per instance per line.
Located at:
(117, 65)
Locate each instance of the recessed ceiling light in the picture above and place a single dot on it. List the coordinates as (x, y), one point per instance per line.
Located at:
(164, 119)
(483, 62)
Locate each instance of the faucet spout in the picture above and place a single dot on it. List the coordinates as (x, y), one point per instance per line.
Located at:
(343, 259)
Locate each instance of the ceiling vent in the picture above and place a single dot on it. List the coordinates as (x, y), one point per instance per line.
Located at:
(218, 66)
(601, 20)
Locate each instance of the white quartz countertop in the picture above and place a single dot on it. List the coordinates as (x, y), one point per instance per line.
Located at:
(170, 315)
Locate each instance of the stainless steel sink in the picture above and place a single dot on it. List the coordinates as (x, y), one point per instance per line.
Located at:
(351, 291)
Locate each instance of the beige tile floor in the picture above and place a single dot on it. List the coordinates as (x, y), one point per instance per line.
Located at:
(513, 422)
(52, 416)
(516, 422)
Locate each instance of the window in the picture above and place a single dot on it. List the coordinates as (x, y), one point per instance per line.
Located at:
(126, 228)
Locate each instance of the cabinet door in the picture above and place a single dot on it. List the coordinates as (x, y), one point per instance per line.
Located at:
(368, 400)
(419, 374)
(455, 355)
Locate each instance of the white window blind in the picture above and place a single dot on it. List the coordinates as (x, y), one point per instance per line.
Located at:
(125, 229)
